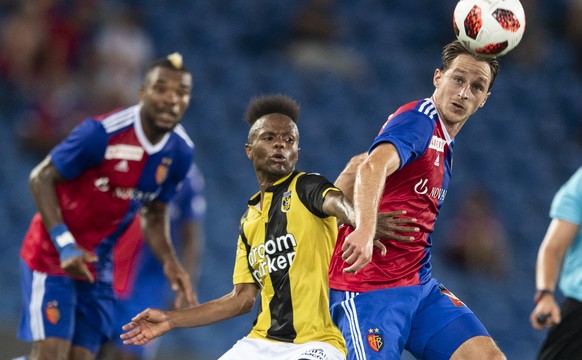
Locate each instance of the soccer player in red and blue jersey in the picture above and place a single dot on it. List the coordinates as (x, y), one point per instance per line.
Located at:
(385, 304)
(88, 190)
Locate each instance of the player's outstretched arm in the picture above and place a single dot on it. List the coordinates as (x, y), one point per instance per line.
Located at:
(347, 178)
(153, 323)
(369, 183)
(390, 225)
(146, 326)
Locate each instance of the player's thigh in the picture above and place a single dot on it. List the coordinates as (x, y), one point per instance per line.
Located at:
(94, 316)
(48, 309)
(311, 351)
(248, 349)
(259, 349)
(81, 353)
(375, 323)
(441, 324)
(478, 348)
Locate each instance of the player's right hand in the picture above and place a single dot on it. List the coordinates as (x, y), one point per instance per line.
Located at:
(146, 326)
(76, 265)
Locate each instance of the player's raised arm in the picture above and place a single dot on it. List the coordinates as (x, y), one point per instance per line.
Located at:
(390, 225)
(369, 183)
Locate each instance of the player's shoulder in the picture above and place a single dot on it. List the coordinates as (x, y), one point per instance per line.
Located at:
(183, 136)
(423, 107)
(307, 180)
(118, 119)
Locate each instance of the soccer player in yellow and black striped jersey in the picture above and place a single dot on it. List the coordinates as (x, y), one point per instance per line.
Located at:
(286, 240)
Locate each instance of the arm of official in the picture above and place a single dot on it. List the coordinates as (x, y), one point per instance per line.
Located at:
(558, 239)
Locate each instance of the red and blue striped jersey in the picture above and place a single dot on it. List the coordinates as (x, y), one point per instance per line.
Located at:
(111, 170)
(419, 186)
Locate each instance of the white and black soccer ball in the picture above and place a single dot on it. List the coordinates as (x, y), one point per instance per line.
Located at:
(489, 27)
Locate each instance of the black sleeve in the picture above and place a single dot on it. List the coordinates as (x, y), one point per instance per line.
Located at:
(311, 189)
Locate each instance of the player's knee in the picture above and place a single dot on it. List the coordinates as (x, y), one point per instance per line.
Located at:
(51, 348)
(479, 348)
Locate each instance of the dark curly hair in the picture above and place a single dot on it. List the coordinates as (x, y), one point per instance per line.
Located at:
(271, 104)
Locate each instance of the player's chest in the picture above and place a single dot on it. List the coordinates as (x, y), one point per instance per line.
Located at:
(127, 166)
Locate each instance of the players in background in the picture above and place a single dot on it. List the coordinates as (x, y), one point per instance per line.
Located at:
(284, 247)
(139, 280)
(385, 304)
(559, 264)
(88, 191)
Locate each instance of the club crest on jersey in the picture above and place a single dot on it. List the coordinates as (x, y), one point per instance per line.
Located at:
(375, 340)
(455, 300)
(286, 202)
(162, 170)
(53, 314)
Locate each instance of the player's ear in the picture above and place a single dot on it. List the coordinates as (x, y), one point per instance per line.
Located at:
(141, 93)
(484, 101)
(248, 149)
(436, 80)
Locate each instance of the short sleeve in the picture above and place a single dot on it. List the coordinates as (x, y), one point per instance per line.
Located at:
(410, 132)
(567, 203)
(82, 149)
(311, 189)
(242, 273)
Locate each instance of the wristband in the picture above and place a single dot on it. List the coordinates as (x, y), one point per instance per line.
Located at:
(541, 293)
(64, 242)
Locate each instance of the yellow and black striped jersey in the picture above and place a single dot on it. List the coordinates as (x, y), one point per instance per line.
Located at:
(285, 246)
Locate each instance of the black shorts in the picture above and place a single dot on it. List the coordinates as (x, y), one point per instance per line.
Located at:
(564, 340)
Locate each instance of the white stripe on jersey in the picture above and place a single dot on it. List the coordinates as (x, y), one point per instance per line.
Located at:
(120, 119)
(179, 129)
(350, 309)
(428, 108)
(131, 115)
(35, 307)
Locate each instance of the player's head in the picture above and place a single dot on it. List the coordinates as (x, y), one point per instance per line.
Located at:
(462, 85)
(453, 49)
(165, 94)
(273, 139)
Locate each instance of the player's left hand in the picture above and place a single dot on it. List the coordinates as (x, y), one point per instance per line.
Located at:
(391, 225)
(180, 282)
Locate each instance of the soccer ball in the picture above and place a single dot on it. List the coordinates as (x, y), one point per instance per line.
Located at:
(489, 27)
